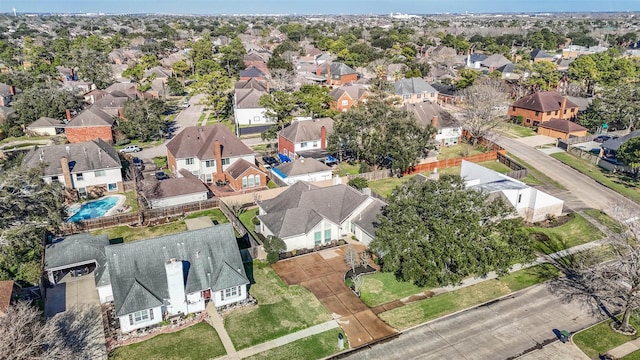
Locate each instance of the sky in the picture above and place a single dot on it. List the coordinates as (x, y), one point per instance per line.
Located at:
(314, 7)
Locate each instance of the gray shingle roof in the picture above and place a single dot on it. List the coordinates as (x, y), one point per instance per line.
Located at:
(425, 111)
(306, 130)
(248, 98)
(303, 166)
(86, 156)
(137, 269)
(413, 86)
(337, 68)
(92, 116)
(187, 184)
(251, 84)
(239, 167)
(46, 122)
(75, 249)
(495, 61)
(198, 141)
(291, 222)
(368, 219)
(540, 54)
(614, 144)
(355, 92)
(252, 72)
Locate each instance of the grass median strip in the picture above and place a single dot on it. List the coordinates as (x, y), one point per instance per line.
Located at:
(281, 310)
(601, 338)
(313, 347)
(574, 232)
(424, 310)
(199, 341)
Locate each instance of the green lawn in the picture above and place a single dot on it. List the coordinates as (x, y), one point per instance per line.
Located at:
(460, 150)
(344, 169)
(424, 310)
(139, 233)
(23, 138)
(281, 310)
(615, 182)
(534, 176)
(575, 232)
(600, 338)
(605, 220)
(313, 347)
(199, 341)
(132, 200)
(633, 356)
(384, 187)
(516, 131)
(160, 162)
(382, 287)
(246, 217)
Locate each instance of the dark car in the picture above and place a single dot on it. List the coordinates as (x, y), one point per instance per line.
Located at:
(602, 138)
(138, 163)
(270, 160)
(160, 175)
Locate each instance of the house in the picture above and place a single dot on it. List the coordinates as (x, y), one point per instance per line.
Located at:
(305, 215)
(561, 129)
(112, 103)
(337, 73)
(494, 62)
(246, 109)
(345, 97)
(538, 55)
(303, 169)
(531, 204)
(612, 145)
(306, 138)
(252, 83)
(91, 167)
(252, 72)
(448, 128)
(152, 280)
(415, 90)
(177, 191)
(46, 126)
(94, 95)
(446, 93)
(475, 60)
(7, 92)
(89, 124)
(8, 295)
(508, 71)
(211, 153)
(542, 106)
(66, 73)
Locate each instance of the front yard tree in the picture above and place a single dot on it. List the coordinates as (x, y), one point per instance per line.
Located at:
(143, 119)
(620, 104)
(279, 106)
(273, 246)
(437, 233)
(629, 153)
(351, 258)
(480, 103)
(217, 87)
(45, 101)
(28, 208)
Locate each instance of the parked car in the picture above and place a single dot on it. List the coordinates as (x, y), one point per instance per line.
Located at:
(602, 138)
(138, 163)
(160, 175)
(270, 160)
(131, 149)
(185, 104)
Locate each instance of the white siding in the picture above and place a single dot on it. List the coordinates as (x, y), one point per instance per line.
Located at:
(125, 324)
(362, 236)
(195, 302)
(43, 131)
(89, 178)
(182, 164)
(105, 293)
(317, 176)
(310, 145)
(307, 241)
(217, 296)
(253, 116)
(178, 200)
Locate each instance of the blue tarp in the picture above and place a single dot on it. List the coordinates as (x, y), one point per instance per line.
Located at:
(279, 173)
(283, 158)
(330, 159)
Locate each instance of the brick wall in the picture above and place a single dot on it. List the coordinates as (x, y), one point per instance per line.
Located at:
(171, 162)
(559, 134)
(285, 144)
(541, 116)
(236, 184)
(82, 134)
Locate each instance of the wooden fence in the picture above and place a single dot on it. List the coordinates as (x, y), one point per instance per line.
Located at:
(519, 171)
(373, 175)
(242, 230)
(447, 163)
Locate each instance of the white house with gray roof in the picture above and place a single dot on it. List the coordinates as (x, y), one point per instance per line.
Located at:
(151, 280)
(415, 90)
(305, 215)
(303, 169)
(531, 204)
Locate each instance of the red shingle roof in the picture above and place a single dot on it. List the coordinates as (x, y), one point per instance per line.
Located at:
(6, 289)
(562, 125)
(543, 101)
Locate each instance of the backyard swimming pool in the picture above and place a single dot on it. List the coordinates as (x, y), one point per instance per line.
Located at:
(93, 209)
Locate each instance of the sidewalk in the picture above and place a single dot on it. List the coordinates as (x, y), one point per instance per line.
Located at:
(217, 323)
(625, 349)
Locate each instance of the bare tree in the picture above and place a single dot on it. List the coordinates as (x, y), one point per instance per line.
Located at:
(351, 258)
(614, 283)
(281, 79)
(482, 102)
(69, 335)
(358, 281)
(364, 258)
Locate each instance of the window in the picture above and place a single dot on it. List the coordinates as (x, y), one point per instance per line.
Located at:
(556, 113)
(407, 97)
(112, 187)
(434, 94)
(285, 152)
(537, 113)
(231, 292)
(257, 180)
(352, 227)
(208, 178)
(79, 177)
(250, 183)
(244, 182)
(548, 112)
(303, 144)
(327, 235)
(513, 108)
(573, 110)
(528, 121)
(140, 316)
(317, 237)
(315, 144)
(225, 161)
(99, 173)
(189, 161)
(345, 102)
(54, 179)
(195, 173)
(419, 96)
(210, 163)
(565, 111)
(82, 192)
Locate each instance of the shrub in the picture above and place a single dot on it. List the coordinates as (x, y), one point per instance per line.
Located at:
(123, 142)
(358, 183)
(273, 246)
(364, 168)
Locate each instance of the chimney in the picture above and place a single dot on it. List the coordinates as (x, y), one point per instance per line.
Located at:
(68, 150)
(563, 106)
(73, 75)
(174, 271)
(68, 112)
(268, 87)
(323, 137)
(329, 75)
(66, 172)
(12, 90)
(434, 122)
(217, 153)
(120, 116)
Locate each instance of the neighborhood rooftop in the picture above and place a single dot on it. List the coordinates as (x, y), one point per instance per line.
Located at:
(198, 141)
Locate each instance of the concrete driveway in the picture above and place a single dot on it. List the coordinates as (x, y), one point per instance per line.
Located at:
(537, 140)
(518, 324)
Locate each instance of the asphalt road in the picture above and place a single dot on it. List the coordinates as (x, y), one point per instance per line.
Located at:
(582, 187)
(505, 329)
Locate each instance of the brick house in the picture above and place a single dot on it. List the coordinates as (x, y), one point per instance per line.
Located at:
(448, 128)
(307, 138)
(90, 124)
(213, 153)
(337, 73)
(344, 97)
(542, 106)
(561, 129)
(91, 167)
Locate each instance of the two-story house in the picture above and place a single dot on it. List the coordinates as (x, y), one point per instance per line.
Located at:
(345, 97)
(337, 73)
(246, 109)
(214, 153)
(306, 138)
(540, 107)
(91, 167)
(90, 124)
(415, 90)
(448, 128)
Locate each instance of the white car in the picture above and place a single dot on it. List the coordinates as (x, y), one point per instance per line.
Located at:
(131, 149)
(185, 104)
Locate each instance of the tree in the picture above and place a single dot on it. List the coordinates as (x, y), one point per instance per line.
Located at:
(584, 70)
(467, 78)
(592, 116)
(381, 135)
(29, 209)
(544, 76)
(45, 101)
(629, 153)
(92, 66)
(313, 101)
(273, 246)
(480, 103)
(143, 119)
(358, 183)
(217, 86)
(180, 68)
(175, 87)
(351, 258)
(278, 108)
(437, 233)
(620, 104)
(232, 57)
(69, 335)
